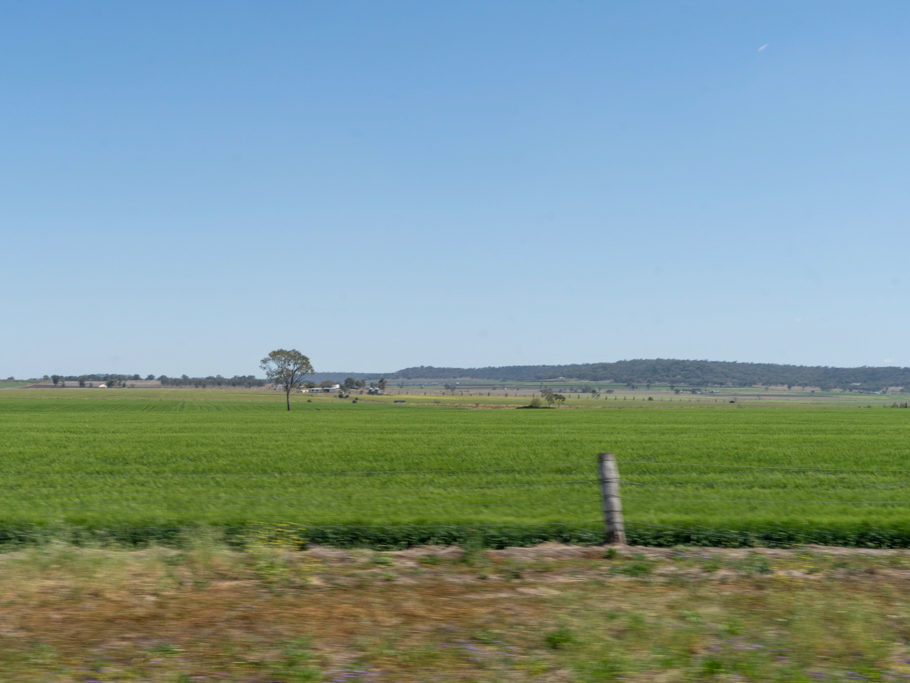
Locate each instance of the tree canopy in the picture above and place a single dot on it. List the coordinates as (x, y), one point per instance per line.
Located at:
(286, 368)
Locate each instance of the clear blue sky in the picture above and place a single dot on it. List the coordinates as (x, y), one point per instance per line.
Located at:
(187, 186)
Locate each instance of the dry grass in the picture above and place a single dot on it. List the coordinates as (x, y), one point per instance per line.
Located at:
(548, 614)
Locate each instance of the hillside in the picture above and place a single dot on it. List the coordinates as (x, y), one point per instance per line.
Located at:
(687, 373)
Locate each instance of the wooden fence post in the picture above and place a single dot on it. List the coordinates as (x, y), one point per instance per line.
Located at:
(612, 505)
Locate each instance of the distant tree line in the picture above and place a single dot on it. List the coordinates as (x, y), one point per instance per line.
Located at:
(677, 374)
(116, 380)
(109, 379)
(210, 381)
(248, 381)
(341, 377)
(681, 373)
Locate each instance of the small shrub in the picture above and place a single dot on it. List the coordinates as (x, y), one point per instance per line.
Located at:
(712, 666)
(755, 564)
(559, 638)
(640, 566)
(382, 560)
(472, 549)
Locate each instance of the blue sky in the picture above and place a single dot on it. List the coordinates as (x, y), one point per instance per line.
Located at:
(187, 186)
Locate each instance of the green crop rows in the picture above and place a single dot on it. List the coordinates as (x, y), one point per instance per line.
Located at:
(139, 465)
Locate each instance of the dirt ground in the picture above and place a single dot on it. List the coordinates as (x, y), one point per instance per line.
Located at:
(547, 613)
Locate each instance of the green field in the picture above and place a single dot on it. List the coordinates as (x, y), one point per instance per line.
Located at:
(141, 464)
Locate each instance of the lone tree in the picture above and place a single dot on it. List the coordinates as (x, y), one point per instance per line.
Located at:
(552, 397)
(286, 369)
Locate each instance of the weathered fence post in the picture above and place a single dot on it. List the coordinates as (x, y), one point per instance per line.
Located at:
(612, 505)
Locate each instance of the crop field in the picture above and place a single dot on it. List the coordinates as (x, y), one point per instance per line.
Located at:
(141, 465)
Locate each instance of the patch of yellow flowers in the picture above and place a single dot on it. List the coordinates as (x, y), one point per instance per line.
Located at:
(273, 550)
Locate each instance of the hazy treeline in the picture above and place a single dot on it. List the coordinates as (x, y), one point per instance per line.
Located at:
(99, 377)
(691, 373)
(210, 381)
(674, 373)
(108, 378)
(112, 379)
(340, 377)
(116, 380)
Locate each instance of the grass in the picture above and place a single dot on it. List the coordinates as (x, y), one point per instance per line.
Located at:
(135, 465)
(271, 613)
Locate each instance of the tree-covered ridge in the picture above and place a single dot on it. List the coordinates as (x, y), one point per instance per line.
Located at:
(683, 373)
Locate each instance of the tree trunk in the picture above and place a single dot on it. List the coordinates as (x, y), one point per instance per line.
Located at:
(287, 396)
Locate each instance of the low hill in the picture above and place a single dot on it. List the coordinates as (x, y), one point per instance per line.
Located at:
(682, 373)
